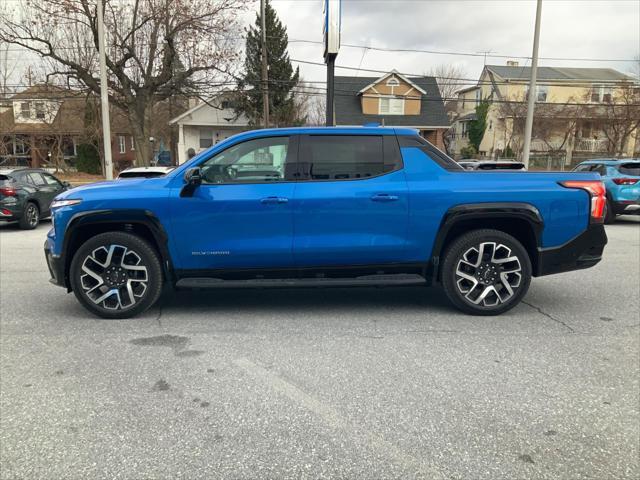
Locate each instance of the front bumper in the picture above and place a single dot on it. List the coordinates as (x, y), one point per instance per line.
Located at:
(583, 251)
(56, 267)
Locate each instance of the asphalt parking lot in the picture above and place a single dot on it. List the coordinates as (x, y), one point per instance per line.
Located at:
(332, 383)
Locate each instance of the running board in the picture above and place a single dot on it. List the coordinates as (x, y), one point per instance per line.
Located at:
(367, 280)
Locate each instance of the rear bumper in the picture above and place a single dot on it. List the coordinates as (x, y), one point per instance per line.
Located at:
(9, 212)
(56, 267)
(583, 251)
(626, 207)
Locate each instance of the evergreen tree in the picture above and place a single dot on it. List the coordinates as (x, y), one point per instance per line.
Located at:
(282, 78)
(479, 125)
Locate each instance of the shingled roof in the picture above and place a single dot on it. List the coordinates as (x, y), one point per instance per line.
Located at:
(509, 72)
(348, 107)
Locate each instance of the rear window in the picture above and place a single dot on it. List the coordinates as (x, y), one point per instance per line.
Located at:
(632, 169)
(438, 156)
(346, 157)
(4, 179)
(501, 166)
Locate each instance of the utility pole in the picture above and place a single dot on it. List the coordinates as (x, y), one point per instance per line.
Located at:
(532, 89)
(104, 95)
(331, 66)
(265, 71)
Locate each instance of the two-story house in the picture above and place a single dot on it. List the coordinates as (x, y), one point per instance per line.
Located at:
(44, 124)
(392, 100)
(580, 112)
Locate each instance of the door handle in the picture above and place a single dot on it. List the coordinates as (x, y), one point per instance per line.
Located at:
(384, 197)
(270, 200)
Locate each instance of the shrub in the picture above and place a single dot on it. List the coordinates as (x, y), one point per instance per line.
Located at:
(468, 152)
(88, 159)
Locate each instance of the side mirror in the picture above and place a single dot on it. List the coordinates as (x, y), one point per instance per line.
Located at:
(193, 179)
(66, 185)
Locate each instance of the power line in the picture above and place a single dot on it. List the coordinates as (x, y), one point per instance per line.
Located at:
(466, 54)
(467, 81)
(484, 54)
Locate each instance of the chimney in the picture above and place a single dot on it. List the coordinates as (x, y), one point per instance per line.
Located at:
(512, 63)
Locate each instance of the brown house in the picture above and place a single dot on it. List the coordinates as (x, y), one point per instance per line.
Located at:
(44, 124)
(392, 100)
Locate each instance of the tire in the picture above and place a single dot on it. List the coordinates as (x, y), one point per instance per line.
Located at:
(609, 213)
(30, 216)
(116, 262)
(492, 286)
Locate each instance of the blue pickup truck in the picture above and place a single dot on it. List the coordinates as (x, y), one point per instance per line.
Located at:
(324, 207)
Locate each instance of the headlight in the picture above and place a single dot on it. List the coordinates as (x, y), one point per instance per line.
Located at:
(64, 203)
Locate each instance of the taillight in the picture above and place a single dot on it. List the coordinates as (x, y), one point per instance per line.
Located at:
(8, 191)
(625, 181)
(598, 195)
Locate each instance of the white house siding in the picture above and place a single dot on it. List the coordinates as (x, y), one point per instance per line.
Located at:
(190, 138)
(218, 123)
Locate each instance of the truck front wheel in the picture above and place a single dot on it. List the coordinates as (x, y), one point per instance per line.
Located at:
(116, 275)
(486, 272)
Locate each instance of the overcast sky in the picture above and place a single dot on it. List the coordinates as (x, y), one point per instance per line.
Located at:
(606, 29)
(603, 29)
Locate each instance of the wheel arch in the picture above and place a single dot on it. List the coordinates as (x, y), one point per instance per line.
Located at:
(520, 220)
(143, 223)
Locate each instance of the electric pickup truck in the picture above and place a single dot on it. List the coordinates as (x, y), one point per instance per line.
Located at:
(329, 207)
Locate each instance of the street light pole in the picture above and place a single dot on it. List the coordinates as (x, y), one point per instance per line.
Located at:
(265, 71)
(104, 95)
(532, 88)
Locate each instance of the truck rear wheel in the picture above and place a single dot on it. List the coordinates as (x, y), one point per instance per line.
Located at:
(116, 275)
(486, 272)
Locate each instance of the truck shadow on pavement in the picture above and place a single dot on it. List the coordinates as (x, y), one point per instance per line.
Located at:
(308, 300)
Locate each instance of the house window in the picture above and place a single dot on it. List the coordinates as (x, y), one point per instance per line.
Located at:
(133, 145)
(465, 129)
(601, 94)
(391, 106)
(121, 143)
(541, 93)
(21, 146)
(393, 82)
(478, 96)
(40, 110)
(206, 137)
(25, 110)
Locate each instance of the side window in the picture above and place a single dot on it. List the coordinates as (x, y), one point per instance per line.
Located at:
(346, 157)
(255, 161)
(582, 168)
(431, 151)
(51, 180)
(601, 169)
(37, 179)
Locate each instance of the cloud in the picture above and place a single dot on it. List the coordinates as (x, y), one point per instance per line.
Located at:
(572, 29)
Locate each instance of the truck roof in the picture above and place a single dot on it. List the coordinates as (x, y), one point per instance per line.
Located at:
(340, 130)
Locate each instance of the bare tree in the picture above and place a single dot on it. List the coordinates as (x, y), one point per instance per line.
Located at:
(635, 68)
(619, 118)
(450, 78)
(310, 102)
(7, 70)
(317, 110)
(155, 48)
(554, 124)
